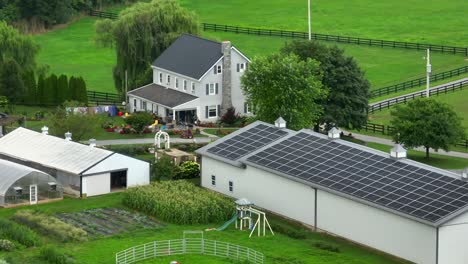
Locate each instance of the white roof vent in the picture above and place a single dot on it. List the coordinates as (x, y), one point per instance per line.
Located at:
(334, 133)
(92, 142)
(45, 130)
(68, 136)
(280, 123)
(398, 152)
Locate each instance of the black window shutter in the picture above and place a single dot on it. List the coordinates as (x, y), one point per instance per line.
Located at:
(206, 111)
(246, 65)
(214, 68)
(207, 89)
(245, 107)
(219, 111)
(216, 88)
(238, 67)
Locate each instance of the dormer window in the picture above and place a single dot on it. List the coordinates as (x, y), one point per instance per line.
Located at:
(185, 85)
(176, 83)
(168, 80)
(160, 78)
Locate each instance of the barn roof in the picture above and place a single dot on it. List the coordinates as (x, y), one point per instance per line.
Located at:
(11, 172)
(190, 56)
(50, 151)
(405, 187)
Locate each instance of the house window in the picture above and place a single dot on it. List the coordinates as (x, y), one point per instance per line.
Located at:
(213, 180)
(160, 78)
(241, 67)
(212, 111)
(144, 106)
(193, 87)
(134, 103)
(168, 80)
(185, 85)
(176, 82)
(231, 186)
(218, 69)
(212, 89)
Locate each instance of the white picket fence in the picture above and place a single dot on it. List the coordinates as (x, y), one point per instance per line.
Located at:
(198, 246)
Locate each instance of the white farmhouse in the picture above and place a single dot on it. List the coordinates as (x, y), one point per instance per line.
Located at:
(194, 78)
(387, 202)
(82, 170)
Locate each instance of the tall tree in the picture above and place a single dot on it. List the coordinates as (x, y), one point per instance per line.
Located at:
(17, 47)
(51, 90)
(82, 95)
(29, 80)
(11, 82)
(73, 89)
(81, 126)
(285, 86)
(142, 32)
(428, 123)
(62, 89)
(41, 90)
(347, 101)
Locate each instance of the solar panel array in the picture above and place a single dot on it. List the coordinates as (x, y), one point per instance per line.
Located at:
(247, 142)
(384, 181)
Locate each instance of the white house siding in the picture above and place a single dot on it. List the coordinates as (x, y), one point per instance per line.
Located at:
(137, 170)
(376, 228)
(181, 79)
(96, 184)
(453, 241)
(274, 193)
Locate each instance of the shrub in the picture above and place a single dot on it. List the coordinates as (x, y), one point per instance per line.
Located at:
(18, 233)
(54, 256)
(50, 225)
(139, 121)
(179, 202)
(6, 245)
(164, 168)
(189, 170)
(230, 117)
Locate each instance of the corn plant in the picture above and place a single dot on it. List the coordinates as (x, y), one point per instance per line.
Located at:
(179, 202)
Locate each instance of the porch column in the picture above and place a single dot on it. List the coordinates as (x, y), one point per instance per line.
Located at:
(173, 115)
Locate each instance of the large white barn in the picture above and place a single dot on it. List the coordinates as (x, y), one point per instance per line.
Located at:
(82, 170)
(398, 206)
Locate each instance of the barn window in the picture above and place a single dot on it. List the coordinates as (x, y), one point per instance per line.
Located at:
(231, 186)
(213, 180)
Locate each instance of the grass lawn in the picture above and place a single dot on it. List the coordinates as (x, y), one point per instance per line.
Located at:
(278, 249)
(439, 161)
(458, 100)
(72, 51)
(382, 66)
(391, 20)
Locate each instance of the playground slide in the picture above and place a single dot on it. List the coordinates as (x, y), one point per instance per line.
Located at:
(228, 223)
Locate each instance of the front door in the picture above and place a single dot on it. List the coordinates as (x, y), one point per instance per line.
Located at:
(33, 194)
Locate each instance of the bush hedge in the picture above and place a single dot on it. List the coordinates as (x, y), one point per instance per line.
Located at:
(50, 225)
(54, 256)
(6, 245)
(15, 232)
(180, 202)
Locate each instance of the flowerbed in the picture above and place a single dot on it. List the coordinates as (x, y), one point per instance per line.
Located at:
(179, 202)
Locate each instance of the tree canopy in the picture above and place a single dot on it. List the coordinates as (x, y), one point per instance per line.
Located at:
(279, 85)
(347, 100)
(80, 125)
(141, 33)
(18, 47)
(428, 123)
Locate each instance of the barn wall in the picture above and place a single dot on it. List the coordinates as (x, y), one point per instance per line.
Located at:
(376, 228)
(137, 170)
(96, 184)
(453, 238)
(266, 190)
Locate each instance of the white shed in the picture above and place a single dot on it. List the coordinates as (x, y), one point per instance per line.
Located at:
(82, 170)
(398, 206)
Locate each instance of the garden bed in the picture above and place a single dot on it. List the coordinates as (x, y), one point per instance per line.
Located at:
(108, 221)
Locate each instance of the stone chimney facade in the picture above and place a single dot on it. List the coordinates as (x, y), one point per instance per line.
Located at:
(226, 103)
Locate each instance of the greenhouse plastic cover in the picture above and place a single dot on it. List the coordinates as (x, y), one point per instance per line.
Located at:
(11, 172)
(51, 151)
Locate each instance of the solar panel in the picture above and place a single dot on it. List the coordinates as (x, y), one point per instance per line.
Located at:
(247, 142)
(384, 181)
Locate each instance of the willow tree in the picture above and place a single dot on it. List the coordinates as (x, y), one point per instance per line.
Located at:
(18, 47)
(142, 32)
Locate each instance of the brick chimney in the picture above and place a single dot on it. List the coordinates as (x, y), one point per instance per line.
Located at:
(226, 87)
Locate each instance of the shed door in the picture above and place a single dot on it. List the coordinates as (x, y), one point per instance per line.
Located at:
(33, 194)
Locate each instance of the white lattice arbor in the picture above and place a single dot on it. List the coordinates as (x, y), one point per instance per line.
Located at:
(167, 140)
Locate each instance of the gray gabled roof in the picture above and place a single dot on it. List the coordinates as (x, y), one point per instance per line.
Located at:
(163, 96)
(190, 55)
